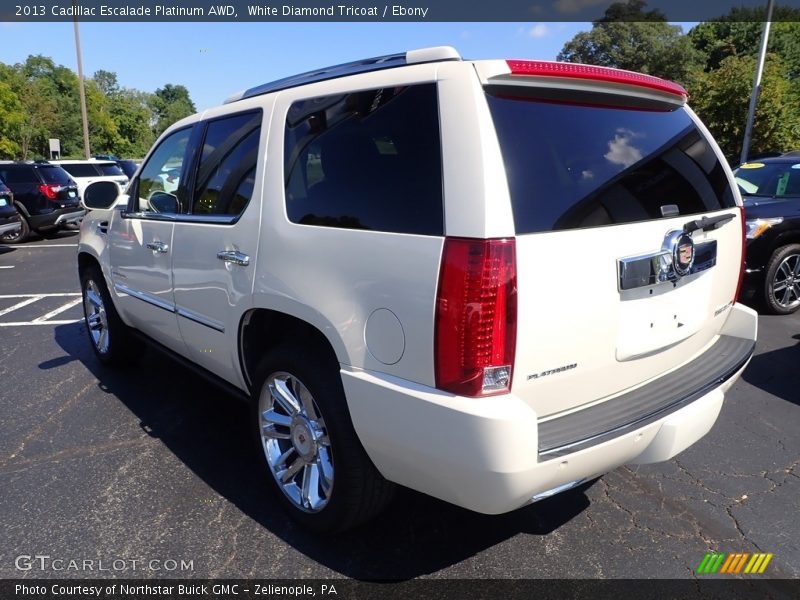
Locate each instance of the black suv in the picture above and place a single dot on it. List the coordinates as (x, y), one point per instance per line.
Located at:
(44, 194)
(770, 188)
(9, 218)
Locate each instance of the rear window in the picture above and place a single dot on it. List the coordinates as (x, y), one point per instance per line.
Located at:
(110, 169)
(55, 175)
(573, 166)
(769, 179)
(80, 170)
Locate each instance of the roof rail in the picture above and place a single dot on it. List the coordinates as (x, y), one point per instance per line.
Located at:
(412, 57)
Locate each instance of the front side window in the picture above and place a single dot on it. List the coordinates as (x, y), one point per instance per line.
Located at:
(159, 181)
(226, 175)
(366, 160)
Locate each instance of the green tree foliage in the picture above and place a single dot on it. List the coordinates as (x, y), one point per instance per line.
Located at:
(629, 37)
(721, 98)
(715, 61)
(739, 34)
(170, 104)
(40, 100)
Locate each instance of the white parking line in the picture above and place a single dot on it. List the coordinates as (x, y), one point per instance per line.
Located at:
(57, 311)
(5, 311)
(30, 247)
(57, 294)
(7, 267)
(44, 319)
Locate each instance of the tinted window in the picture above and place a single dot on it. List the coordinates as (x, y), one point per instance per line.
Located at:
(226, 173)
(18, 174)
(55, 175)
(572, 166)
(158, 184)
(110, 169)
(80, 169)
(367, 160)
(769, 179)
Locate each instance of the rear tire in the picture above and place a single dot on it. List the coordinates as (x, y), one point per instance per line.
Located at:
(20, 236)
(782, 281)
(320, 472)
(110, 339)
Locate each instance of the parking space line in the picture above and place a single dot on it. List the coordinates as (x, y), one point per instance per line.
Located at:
(24, 323)
(7, 267)
(30, 247)
(57, 311)
(5, 311)
(54, 295)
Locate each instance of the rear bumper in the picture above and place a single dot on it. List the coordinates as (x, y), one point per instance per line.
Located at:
(485, 455)
(57, 218)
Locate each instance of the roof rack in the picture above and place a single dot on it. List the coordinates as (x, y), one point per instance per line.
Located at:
(389, 61)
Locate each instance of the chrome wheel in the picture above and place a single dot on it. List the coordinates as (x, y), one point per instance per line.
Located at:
(786, 283)
(295, 442)
(96, 319)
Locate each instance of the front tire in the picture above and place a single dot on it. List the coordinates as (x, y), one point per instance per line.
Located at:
(109, 337)
(323, 477)
(782, 281)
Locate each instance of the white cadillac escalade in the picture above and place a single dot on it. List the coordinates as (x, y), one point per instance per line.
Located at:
(487, 281)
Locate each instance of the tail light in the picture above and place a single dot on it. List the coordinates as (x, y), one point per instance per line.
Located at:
(476, 317)
(744, 254)
(50, 190)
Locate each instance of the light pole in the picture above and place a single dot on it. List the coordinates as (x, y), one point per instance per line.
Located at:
(751, 112)
(81, 88)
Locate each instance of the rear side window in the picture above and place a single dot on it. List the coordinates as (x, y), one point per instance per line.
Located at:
(55, 175)
(572, 166)
(366, 160)
(226, 174)
(18, 175)
(80, 170)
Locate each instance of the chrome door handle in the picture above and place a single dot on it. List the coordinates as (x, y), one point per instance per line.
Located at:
(234, 256)
(159, 247)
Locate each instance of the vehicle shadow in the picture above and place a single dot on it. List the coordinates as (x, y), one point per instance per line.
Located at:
(209, 432)
(776, 372)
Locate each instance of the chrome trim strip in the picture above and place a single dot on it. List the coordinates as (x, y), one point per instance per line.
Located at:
(200, 319)
(119, 287)
(651, 269)
(182, 218)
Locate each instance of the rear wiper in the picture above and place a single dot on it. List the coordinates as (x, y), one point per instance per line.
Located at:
(707, 223)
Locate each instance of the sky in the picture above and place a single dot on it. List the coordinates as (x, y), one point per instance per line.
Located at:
(214, 60)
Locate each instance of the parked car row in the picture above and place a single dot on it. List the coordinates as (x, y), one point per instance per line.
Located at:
(46, 196)
(770, 188)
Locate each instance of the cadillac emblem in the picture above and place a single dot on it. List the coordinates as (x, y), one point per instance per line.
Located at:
(683, 254)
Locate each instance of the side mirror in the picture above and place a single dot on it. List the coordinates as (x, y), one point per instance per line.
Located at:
(164, 202)
(100, 194)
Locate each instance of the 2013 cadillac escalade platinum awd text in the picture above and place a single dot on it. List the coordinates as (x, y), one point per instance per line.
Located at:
(487, 281)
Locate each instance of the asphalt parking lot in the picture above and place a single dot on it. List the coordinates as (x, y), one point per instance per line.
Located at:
(152, 467)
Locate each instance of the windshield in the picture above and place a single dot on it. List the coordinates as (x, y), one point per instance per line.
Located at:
(769, 179)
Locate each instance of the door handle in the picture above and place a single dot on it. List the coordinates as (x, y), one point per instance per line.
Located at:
(159, 247)
(234, 256)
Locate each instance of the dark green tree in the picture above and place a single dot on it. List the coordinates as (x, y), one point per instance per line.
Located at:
(629, 37)
(170, 104)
